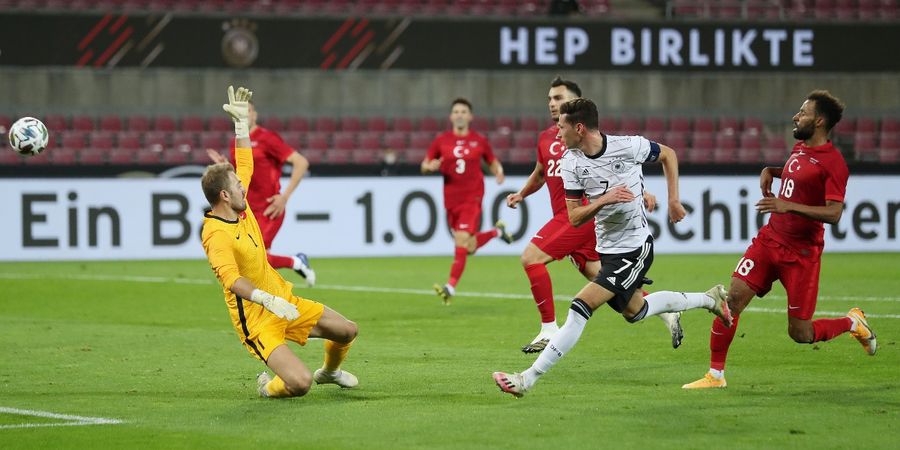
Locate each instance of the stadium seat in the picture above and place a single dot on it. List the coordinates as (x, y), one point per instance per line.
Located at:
(479, 124)
(752, 125)
(704, 125)
(520, 156)
(170, 157)
(351, 124)
(184, 141)
(214, 140)
(156, 140)
(164, 123)
(530, 123)
(300, 124)
(526, 140)
(139, 123)
(92, 157)
(501, 141)
(222, 124)
(314, 156)
(680, 124)
(403, 124)
(63, 156)
(121, 156)
(111, 123)
(73, 139)
(654, 126)
(273, 123)
(630, 126)
(505, 124)
(192, 123)
(293, 139)
(82, 123)
(10, 158)
(396, 140)
(378, 124)
(130, 140)
(609, 125)
(38, 160)
(865, 148)
(420, 141)
(429, 124)
(55, 122)
(728, 124)
(369, 141)
(344, 141)
(317, 141)
(366, 156)
(103, 140)
(151, 156)
(325, 124)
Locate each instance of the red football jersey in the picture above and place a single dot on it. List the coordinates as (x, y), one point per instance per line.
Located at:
(461, 158)
(810, 176)
(549, 151)
(269, 154)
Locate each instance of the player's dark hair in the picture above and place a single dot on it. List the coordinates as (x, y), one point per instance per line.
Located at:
(827, 106)
(581, 110)
(571, 86)
(215, 180)
(461, 101)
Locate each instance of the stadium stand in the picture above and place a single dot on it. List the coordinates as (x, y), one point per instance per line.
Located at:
(784, 9)
(358, 140)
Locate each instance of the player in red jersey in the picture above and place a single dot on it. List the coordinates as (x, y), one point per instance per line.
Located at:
(457, 155)
(266, 200)
(558, 238)
(789, 248)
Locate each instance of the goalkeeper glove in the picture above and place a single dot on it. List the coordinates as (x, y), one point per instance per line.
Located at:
(276, 305)
(238, 107)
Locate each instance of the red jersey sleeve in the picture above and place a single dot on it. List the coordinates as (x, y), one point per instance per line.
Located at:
(836, 183)
(276, 147)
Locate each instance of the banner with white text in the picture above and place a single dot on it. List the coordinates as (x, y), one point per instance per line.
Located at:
(76, 219)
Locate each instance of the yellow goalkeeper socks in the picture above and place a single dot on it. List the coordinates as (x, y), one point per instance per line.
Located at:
(335, 353)
(276, 389)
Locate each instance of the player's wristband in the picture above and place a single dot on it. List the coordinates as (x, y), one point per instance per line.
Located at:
(241, 129)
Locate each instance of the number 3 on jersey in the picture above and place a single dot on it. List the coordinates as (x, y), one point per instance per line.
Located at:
(460, 165)
(744, 266)
(553, 168)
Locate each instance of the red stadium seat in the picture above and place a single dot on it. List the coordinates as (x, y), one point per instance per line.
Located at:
(294, 139)
(83, 123)
(366, 156)
(111, 123)
(728, 124)
(317, 141)
(530, 123)
(55, 122)
(396, 140)
(63, 156)
(501, 141)
(139, 123)
(156, 140)
(184, 141)
(351, 124)
(866, 125)
(403, 124)
(170, 157)
(420, 141)
(164, 123)
(73, 139)
(314, 156)
(344, 141)
(431, 125)
(526, 140)
(325, 124)
(273, 123)
(479, 124)
(223, 124)
(192, 123)
(680, 124)
(505, 123)
(297, 124)
(103, 140)
(865, 147)
(378, 124)
(752, 125)
(369, 140)
(214, 140)
(704, 125)
(609, 125)
(92, 157)
(630, 126)
(130, 140)
(654, 126)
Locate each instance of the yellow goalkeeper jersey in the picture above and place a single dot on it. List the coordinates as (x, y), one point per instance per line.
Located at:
(235, 249)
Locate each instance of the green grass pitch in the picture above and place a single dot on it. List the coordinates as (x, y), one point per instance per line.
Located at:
(150, 344)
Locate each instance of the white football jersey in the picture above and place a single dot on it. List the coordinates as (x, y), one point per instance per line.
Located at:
(620, 227)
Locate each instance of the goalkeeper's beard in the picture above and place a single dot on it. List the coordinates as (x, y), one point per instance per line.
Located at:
(239, 206)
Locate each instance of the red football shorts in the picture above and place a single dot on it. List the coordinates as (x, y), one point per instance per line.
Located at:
(558, 238)
(465, 217)
(766, 260)
(269, 227)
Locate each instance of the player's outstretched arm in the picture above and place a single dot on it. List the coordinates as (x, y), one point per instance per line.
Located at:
(238, 107)
(276, 305)
(669, 161)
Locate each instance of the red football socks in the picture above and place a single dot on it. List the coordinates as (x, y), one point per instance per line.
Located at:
(827, 329)
(485, 236)
(542, 290)
(459, 264)
(280, 262)
(719, 340)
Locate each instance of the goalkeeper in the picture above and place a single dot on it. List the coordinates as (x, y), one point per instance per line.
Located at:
(263, 309)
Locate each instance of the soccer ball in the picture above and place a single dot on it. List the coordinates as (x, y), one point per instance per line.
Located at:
(28, 136)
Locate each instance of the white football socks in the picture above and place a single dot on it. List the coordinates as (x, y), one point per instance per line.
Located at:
(669, 301)
(559, 345)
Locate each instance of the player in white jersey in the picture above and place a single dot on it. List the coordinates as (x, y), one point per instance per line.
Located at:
(607, 170)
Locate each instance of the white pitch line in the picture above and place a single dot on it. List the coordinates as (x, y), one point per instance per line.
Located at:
(73, 421)
(409, 291)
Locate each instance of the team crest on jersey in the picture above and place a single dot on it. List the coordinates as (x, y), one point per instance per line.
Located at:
(619, 166)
